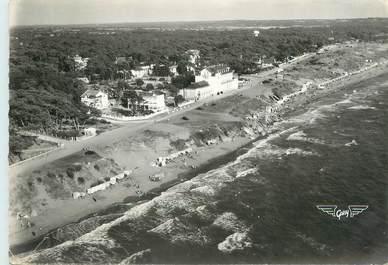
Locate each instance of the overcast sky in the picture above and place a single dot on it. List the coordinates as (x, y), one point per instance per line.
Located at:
(32, 12)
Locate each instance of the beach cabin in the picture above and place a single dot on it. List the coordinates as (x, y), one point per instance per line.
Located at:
(77, 195)
(113, 180)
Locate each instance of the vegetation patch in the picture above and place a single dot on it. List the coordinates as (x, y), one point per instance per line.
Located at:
(179, 144)
(202, 136)
(77, 167)
(90, 152)
(18, 143)
(51, 175)
(70, 172)
(80, 180)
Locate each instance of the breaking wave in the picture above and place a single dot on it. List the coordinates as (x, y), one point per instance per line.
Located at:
(301, 136)
(362, 107)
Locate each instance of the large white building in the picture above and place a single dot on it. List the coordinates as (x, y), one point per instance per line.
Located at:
(210, 81)
(197, 91)
(95, 98)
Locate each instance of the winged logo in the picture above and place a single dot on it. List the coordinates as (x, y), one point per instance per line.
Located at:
(357, 209)
(329, 209)
(352, 210)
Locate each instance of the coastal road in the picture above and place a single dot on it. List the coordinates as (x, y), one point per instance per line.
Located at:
(105, 139)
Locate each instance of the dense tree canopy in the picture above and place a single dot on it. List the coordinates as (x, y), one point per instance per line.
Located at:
(182, 81)
(161, 70)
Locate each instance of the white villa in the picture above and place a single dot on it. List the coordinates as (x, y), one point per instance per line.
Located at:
(152, 101)
(95, 98)
(141, 71)
(256, 33)
(80, 63)
(212, 80)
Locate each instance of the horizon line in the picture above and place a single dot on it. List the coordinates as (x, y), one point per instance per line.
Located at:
(188, 21)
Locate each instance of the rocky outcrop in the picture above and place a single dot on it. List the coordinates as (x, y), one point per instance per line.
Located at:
(236, 241)
(229, 222)
(216, 134)
(205, 213)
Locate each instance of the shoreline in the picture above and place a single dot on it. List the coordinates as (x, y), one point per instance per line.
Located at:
(225, 151)
(191, 173)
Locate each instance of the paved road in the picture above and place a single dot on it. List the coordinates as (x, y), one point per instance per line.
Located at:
(106, 138)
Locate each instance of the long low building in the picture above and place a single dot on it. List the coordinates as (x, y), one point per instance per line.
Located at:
(210, 81)
(197, 91)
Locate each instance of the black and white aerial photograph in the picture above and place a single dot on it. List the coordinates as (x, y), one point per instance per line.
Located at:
(197, 132)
